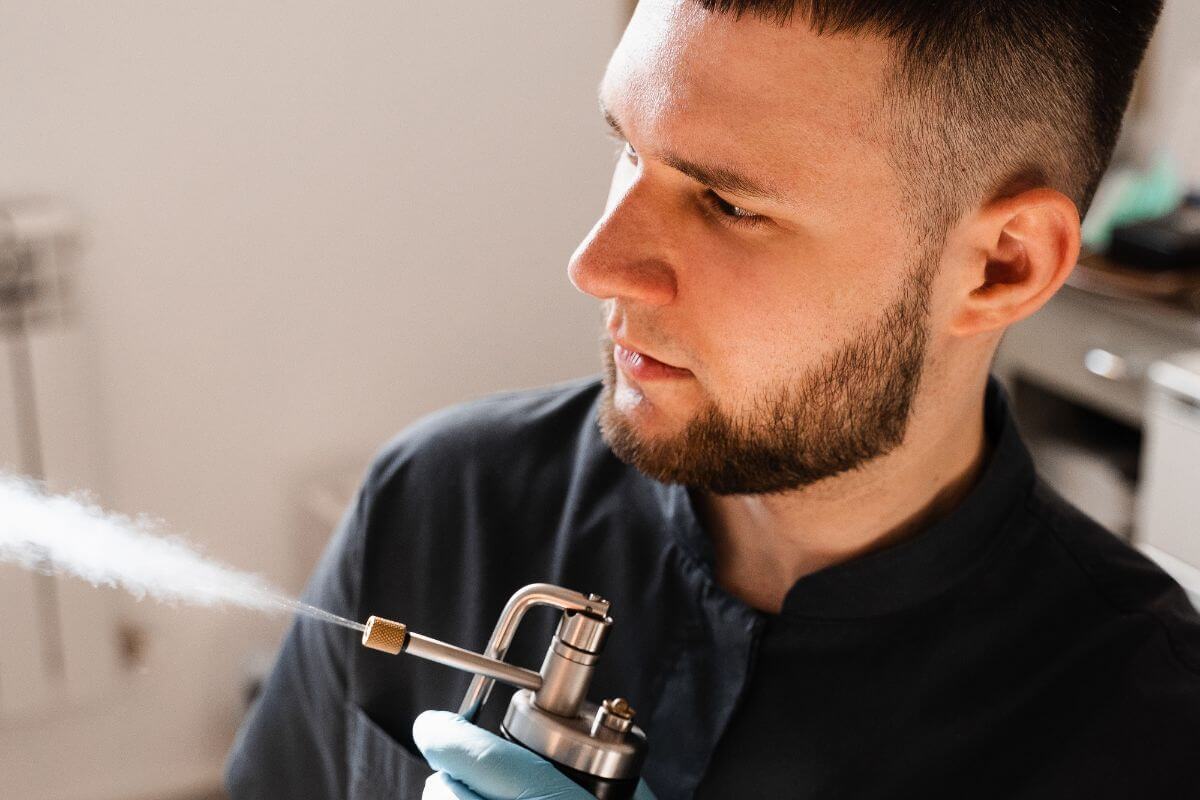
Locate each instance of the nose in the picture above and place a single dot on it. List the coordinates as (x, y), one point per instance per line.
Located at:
(617, 258)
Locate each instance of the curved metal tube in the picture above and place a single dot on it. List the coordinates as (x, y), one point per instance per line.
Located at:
(525, 598)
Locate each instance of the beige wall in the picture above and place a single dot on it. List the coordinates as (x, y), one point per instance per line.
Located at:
(308, 223)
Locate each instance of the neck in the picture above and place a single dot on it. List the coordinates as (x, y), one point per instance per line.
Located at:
(765, 543)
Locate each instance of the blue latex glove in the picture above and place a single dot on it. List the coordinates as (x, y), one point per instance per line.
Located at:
(474, 764)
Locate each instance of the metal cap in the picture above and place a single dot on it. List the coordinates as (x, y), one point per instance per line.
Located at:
(384, 635)
(583, 631)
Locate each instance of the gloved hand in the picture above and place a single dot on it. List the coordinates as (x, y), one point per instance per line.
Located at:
(474, 764)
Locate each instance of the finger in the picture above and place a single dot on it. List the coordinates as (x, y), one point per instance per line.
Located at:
(490, 766)
(440, 786)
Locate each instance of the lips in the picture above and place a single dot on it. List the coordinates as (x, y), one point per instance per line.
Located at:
(643, 367)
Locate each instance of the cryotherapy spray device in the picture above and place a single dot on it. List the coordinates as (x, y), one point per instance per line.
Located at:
(598, 747)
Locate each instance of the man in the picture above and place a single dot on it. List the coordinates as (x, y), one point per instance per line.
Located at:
(833, 570)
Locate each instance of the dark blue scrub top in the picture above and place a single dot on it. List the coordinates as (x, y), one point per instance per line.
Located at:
(1012, 649)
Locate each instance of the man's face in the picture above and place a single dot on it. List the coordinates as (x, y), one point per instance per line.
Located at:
(766, 336)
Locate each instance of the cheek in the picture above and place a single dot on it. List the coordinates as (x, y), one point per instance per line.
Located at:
(764, 318)
(759, 316)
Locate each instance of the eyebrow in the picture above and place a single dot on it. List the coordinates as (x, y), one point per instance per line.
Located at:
(720, 178)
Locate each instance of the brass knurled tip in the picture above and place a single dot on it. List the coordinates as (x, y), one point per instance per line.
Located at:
(384, 635)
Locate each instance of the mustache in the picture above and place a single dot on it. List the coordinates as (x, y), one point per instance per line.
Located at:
(643, 335)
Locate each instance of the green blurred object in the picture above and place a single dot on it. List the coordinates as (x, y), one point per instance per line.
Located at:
(1127, 195)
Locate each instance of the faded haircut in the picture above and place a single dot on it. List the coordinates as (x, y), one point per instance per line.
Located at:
(991, 97)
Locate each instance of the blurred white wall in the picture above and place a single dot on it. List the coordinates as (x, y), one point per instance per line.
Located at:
(308, 223)
(1162, 115)
(1174, 83)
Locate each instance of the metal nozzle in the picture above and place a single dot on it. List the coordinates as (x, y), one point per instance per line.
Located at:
(384, 635)
(393, 638)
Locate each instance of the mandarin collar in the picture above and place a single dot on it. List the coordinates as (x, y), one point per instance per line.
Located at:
(914, 570)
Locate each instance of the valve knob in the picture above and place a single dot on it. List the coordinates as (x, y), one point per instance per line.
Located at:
(615, 715)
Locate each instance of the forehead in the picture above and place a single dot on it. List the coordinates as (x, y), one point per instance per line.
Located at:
(779, 102)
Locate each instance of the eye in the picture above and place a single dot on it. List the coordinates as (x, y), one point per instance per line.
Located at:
(730, 215)
(720, 209)
(627, 150)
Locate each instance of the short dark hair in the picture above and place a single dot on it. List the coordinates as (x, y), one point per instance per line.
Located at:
(993, 96)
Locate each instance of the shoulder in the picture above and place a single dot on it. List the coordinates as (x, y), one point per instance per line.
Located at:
(1121, 643)
(1124, 582)
(507, 433)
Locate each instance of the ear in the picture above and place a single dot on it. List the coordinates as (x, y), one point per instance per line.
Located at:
(1020, 251)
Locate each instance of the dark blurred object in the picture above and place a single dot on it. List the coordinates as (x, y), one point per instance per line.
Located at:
(1156, 260)
(1171, 242)
(1100, 275)
(39, 239)
(35, 232)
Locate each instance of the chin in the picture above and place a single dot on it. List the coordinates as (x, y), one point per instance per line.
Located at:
(651, 413)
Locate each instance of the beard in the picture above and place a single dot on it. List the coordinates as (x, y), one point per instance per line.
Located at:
(848, 409)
